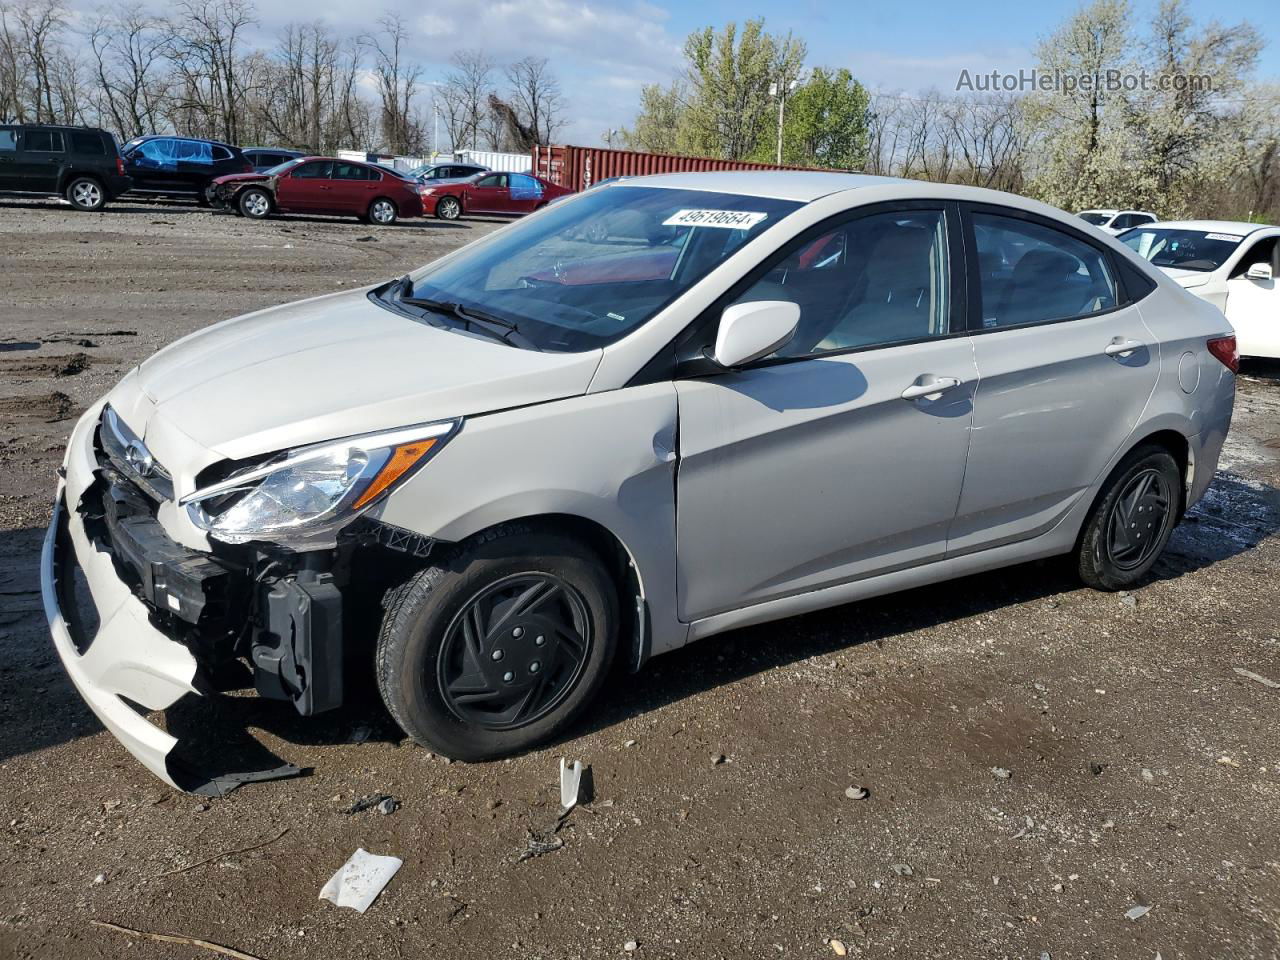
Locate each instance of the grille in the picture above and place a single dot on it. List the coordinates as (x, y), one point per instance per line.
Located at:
(125, 452)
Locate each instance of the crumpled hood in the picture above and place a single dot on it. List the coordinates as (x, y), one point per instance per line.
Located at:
(1188, 278)
(340, 365)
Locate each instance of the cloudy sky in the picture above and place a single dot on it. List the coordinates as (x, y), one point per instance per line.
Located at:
(605, 51)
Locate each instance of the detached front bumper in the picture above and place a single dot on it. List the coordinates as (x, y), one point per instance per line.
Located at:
(127, 659)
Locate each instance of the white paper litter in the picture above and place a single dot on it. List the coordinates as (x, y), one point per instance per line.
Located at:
(359, 881)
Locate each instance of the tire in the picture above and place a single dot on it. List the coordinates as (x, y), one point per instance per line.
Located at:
(494, 703)
(449, 208)
(381, 213)
(254, 203)
(87, 194)
(1131, 521)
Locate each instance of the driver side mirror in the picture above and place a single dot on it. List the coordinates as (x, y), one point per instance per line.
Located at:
(749, 331)
(1259, 271)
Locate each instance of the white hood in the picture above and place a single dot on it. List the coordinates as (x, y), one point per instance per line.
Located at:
(341, 365)
(1188, 278)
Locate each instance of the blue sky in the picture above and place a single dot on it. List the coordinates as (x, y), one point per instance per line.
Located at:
(605, 51)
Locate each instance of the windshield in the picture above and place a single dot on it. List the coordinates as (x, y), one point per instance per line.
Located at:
(1182, 249)
(280, 168)
(1092, 216)
(586, 272)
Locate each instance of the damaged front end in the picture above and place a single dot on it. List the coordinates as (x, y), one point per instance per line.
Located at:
(140, 620)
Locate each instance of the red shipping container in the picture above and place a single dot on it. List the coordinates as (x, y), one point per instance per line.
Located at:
(579, 167)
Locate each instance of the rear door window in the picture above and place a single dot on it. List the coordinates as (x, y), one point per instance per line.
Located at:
(1031, 273)
(44, 141)
(351, 171)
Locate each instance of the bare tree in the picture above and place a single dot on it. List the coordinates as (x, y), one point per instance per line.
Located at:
(128, 45)
(466, 91)
(398, 80)
(534, 96)
(204, 46)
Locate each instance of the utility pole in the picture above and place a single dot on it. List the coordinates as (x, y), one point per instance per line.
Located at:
(780, 88)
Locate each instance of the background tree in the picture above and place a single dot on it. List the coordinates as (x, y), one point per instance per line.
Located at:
(398, 80)
(728, 76)
(534, 96)
(656, 126)
(466, 91)
(826, 123)
(1079, 137)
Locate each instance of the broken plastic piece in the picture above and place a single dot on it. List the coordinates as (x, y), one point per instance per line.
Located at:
(359, 881)
(570, 784)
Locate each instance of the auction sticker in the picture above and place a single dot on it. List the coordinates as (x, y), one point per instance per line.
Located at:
(727, 219)
(1229, 237)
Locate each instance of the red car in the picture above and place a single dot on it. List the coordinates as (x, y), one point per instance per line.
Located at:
(509, 194)
(321, 185)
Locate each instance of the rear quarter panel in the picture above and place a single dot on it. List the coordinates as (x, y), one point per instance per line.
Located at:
(1195, 393)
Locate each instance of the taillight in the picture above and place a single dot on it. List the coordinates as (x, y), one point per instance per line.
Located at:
(1224, 348)
(247, 168)
(120, 165)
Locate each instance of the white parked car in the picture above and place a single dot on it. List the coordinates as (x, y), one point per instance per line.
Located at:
(486, 481)
(1233, 265)
(1116, 221)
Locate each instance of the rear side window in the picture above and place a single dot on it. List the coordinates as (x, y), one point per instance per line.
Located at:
(351, 171)
(1031, 273)
(8, 140)
(220, 153)
(523, 186)
(89, 144)
(873, 281)
(44, 141)
(194, 151)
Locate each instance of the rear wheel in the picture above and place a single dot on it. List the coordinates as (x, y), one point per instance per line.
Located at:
(255, 203)
(500, 647)
(449, 208)
(1132, 520)
(382, 212)
(86, 193)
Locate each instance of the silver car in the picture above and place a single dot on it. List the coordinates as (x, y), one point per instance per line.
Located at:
(561, 447)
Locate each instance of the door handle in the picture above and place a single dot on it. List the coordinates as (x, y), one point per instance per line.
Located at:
(935, 387)
(1122, 348)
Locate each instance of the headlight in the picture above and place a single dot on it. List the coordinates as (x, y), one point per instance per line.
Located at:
(312, 491)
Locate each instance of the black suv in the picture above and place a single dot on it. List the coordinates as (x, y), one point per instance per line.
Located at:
(79, 163)
(180, 166)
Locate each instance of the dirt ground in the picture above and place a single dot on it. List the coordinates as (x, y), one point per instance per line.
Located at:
(1144, 769)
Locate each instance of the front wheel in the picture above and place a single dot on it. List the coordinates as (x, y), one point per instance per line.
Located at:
(255, 203)
(85, 193)
(500, 647)
(382, 212)
(1132, 520)
(449, 208)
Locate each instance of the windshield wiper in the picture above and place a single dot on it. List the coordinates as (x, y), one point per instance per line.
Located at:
(500, 327)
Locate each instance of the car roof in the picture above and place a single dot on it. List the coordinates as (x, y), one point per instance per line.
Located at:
(1109, 211)
(1213, 226)
(175, 136)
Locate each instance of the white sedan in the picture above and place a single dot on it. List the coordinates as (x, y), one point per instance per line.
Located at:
(1232, 265)
(1117, 221)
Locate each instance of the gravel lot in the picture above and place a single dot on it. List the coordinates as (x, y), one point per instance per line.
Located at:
(1143, 768)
